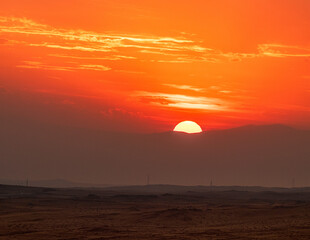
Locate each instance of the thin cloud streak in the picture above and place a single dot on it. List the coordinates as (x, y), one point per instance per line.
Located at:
(42, 66)
(280, 50)
(184, 87)
(183, 101)
(112, 57)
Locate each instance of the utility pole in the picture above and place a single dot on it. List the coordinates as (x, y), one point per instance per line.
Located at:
(148, 180)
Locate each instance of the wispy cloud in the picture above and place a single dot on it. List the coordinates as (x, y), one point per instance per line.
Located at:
(39, 65)
(184, 48)
(238, 56)
(93, 67)
(179, 49)
(280, 50)
(42, 66)
(225, 91)
(183, 101)
(94, 41)
(184, 87)
(111, 57)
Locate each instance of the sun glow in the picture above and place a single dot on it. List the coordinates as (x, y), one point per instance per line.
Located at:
(187, 127)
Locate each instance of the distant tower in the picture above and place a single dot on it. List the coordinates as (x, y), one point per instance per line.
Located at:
(211, 185)
(293, 183)
(27, 182)
(148, 180)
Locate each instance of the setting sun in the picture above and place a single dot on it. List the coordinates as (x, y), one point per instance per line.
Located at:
(154, 119)
(187, 127)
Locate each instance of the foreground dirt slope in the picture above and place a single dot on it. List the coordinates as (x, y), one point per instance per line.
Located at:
(39, 213)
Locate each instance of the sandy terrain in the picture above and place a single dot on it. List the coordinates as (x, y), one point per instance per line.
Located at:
(42, 213)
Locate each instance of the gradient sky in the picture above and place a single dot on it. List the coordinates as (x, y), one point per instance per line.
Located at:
(144, 66)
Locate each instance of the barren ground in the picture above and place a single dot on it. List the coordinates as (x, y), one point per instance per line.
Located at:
(42, 213)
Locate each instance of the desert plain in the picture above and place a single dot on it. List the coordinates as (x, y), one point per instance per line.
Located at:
(154, 212)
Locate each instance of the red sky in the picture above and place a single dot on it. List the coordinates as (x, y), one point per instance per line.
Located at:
(144, 66)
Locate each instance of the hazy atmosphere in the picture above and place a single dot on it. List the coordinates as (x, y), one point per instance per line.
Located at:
(274, 155)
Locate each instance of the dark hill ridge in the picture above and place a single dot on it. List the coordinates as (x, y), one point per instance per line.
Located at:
(154, 192)
(273, 155)
(53, 183)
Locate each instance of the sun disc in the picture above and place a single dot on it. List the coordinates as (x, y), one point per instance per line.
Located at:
(187, 127)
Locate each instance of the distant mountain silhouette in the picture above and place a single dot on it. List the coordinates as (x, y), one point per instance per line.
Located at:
(272, 155)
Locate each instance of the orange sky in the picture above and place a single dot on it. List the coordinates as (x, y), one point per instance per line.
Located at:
(144, 66)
